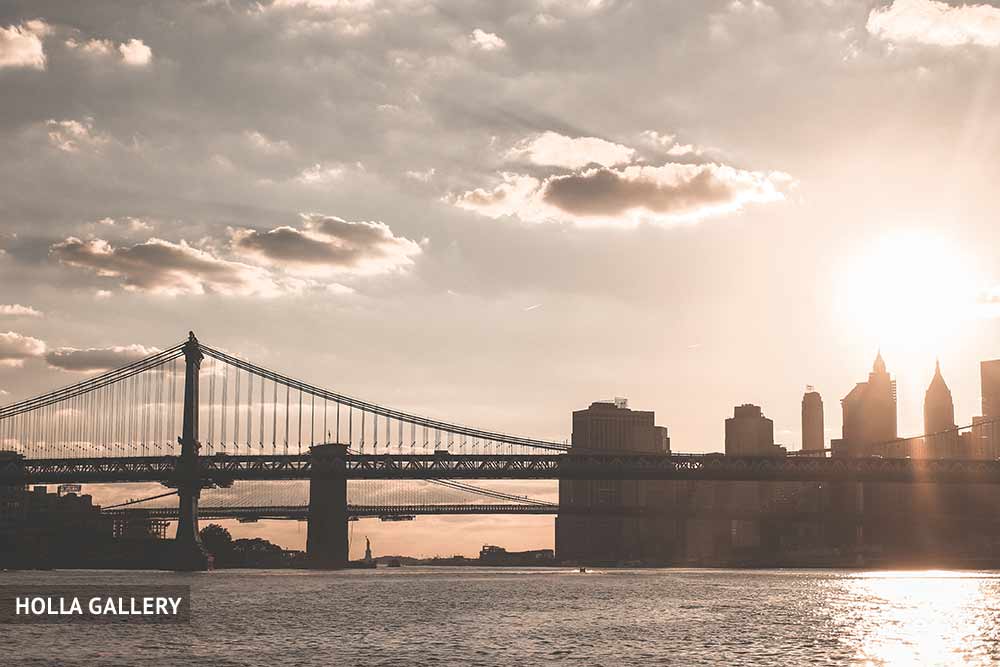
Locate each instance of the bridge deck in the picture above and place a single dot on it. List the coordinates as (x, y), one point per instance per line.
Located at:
(223, 470)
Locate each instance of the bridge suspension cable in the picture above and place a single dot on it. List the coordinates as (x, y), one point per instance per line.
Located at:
(137, 410)
(129, 411)
(300, 414)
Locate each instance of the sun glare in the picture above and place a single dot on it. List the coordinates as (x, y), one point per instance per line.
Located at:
(911, 292)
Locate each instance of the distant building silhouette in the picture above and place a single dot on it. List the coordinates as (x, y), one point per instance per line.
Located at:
(494, 555)
(941, 440)
(939, 408)
(990, 374)
(813, 437)
(985, 435)
(869, 413)
(750, 433)
(593, 529)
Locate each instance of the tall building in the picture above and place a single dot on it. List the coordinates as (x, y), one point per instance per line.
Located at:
(985, 435)
(592, 528)
(869, 413)
(990, 373)
(750, 433)
(611, 426)
(939, 408)
(941, 439)
(813, 438)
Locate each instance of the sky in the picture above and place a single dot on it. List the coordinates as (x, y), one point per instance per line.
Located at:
(496, 213)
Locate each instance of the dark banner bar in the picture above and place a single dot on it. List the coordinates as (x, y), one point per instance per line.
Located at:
(95, 604)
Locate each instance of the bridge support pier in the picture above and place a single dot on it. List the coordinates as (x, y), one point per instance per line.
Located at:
(326, 537)
(189, 553)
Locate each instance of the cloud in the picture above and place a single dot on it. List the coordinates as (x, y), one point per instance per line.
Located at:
(94, 47)
(487, 41)
(320, 174)
(17, 310)
(131, 223)
(554, 149)
(669, 142)
(937, 23)
(668, 193)
(422, 176)
(71, 135)
(680, 150)
(136, 53)
(324, 5)
(988, 302)
(162, 267)
(265, 144)
(97, 358)
(15, 349)
(327, 245)
(664, 140)
(21, 45)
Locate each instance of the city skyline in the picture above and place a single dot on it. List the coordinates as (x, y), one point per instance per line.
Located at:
(501, 215)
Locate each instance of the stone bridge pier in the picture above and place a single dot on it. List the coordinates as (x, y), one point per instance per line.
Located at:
(326, 537)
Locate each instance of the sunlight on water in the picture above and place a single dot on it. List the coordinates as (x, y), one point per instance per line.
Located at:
(923, 618)
(551, 616)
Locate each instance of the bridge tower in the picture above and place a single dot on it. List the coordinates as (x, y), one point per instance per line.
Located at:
(190, 554)
(326, 536)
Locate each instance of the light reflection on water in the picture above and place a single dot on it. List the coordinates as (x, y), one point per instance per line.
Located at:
(476, 616)
(925, 618)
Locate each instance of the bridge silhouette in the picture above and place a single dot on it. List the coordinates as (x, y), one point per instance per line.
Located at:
(193, 418)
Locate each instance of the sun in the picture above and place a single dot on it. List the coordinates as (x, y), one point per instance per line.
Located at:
(910, 291)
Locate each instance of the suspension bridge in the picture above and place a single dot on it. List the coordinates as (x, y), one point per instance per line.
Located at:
(193, 418)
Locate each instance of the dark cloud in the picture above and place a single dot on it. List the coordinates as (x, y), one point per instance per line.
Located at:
(328, 244)
(97, 358)
(623, 196)
(672, 190)
(163, 267)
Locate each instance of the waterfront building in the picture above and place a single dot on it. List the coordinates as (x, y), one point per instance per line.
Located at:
(494, 555)
(598, 520)
(750, 433)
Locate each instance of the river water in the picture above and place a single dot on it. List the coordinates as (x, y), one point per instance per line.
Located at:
(481, 616)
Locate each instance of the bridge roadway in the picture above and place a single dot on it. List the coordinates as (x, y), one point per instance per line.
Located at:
(222, 470)
(397, 512)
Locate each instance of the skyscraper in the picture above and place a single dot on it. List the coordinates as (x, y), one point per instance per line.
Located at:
(869, 413)
(750, 433)
(941, 440)
(813, 438)
(986, 429)
(593, 529)
(990, 373)
(939, 409)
